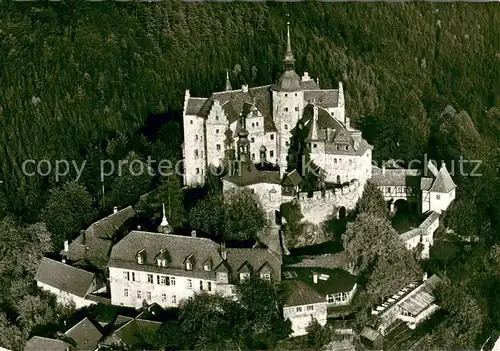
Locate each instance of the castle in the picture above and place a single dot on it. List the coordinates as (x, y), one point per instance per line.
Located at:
(258, 125)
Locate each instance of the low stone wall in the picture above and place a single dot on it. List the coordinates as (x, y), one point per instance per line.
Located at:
(323, 204)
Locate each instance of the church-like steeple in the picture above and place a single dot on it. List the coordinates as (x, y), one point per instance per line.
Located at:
(289, 59)
(228, 82)
(164, 226)
(243, 143)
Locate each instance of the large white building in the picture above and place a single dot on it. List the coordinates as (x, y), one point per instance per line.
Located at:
(167, 268)
(272, 116)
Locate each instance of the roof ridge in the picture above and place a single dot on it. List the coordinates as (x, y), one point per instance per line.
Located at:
(66, 265)
(170, 235)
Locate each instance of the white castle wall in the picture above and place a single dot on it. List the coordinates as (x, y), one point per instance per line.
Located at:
(321, 206)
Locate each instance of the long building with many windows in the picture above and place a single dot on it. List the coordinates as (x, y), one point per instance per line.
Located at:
(146, 267)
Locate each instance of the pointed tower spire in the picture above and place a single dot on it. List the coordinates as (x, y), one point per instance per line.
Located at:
(228, 82)
(289, 59)
(164, 221)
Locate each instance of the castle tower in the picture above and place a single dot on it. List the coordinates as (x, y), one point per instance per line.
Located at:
(243, 144)
(288, 103)
(164, 226)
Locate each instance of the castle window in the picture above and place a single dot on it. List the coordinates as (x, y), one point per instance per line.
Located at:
(438, 197)
(197, 170)
(125, 292)
(287, 143)
(217, 117)
(296, 108)
(347, 147)
(126, 275)
(310, 308)
(338, 147)
(271, 153)
(196, 137)
(265, 276)
(256, 124)
(286, 109)
(315, 146)
(201, 284)
(150, 278)
(335, 161)
(148, 295)
(286, 126)
(271, 136)
(286, 95)
(216, 131)
(299, 309)
(139, 294)
(252, 140)
(196, 153)
(244, 276)
(174, 299)
(190, 283)
(190, 121)
(163, 297)
(218, 147)
(253, 156)
(295, 94)
(253, 125)
(209, 286)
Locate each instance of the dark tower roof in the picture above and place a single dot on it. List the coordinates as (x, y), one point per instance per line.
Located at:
(289, 80)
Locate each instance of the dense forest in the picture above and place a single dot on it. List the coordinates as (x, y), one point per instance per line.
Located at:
(89, 81)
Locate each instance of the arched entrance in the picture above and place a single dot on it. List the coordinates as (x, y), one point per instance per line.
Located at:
(342, 213)
(401, 205)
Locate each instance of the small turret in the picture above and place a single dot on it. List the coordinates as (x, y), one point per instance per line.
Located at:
(228, 82)
(164, 226)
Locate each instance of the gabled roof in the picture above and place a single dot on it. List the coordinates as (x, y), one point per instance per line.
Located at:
(292, 179)
(250, 175)
(194, 105)
(256, 258)
(326, 98)
(299, 293)
(396, 177)
(426, 183)
(132, 332)
(178, 246)
(38, 343)
(64, 277)
(443, 182)
(338, 279)
(95, 244)
(309, 84)
(233, 102)
(336, 260)
(85, 334)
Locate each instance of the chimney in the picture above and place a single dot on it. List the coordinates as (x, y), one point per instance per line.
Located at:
(115, 209)
(193, 233)
(187, 95)
(223, 252)
(306, 77)
(244, 88)
(383, 169)
(315, 277)
(66, 246)
(63, 260)
(139, 227)
(425, 277)
(348, 123)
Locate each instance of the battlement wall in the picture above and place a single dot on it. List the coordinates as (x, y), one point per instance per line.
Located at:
(323, 204)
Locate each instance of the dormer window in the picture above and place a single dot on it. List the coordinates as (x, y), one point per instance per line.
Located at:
(189, 263)
(163, 258)
(244, 276)
(271, 136)
(207, 265)
(141, 257)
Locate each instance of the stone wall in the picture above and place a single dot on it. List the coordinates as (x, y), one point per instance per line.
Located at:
(323, 204)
